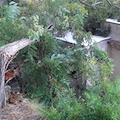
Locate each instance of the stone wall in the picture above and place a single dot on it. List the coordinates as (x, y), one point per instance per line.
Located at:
(103, 45)
(114, 53)
(114, 30)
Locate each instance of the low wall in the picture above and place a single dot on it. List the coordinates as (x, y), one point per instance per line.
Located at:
(103, 45)
(114, 53)
(114, 29)
(112, 47)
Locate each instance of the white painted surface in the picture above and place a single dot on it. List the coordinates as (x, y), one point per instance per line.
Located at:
(99, 38)
(115, 21)
(69, 38)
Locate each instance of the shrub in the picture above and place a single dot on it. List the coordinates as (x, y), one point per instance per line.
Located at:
(102, 102)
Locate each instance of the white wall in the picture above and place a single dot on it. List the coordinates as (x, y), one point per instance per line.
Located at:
(103, 45)
(115, 29)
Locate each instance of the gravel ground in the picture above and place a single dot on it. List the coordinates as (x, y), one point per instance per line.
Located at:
(20, 111)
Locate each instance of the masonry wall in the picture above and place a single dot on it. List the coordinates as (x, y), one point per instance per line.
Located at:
(114, 53)
(103, 45)
(115, 30)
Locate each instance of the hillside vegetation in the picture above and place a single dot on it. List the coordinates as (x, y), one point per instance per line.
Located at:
(48, 66)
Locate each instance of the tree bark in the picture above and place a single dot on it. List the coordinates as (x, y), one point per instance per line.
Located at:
(7, 53)
(2, 76)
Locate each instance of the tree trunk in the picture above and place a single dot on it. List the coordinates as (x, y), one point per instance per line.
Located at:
(7, 53)
(2, 76)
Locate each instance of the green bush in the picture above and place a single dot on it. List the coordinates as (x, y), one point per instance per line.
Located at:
(11, 27)
(102, 102)
(66, 108)
(95, 20)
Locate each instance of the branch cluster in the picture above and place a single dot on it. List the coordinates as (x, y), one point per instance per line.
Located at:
(99, 4)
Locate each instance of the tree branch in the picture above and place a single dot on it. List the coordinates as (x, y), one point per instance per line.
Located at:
(85, 3)
(96, 3)
(12, 48)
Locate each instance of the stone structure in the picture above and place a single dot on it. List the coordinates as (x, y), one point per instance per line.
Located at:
(114, 29)
(114, 53)
(112, 46)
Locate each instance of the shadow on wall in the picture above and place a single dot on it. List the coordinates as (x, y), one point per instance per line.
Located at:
(114, 53)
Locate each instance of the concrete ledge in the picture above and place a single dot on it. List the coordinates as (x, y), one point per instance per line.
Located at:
(114, 21)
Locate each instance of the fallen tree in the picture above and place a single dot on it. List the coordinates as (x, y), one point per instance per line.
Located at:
(7, 54)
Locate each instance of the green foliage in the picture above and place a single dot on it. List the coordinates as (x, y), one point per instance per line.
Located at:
(46, 80)
(94, 22)
(10, 31)
(97, 15)
(54, 64)
(60, 15)
(12, 11)
(47, 66)
(102, 102)
(67, 108)
(52, 72)
(102, 65)
(50, 63)
(11, 27)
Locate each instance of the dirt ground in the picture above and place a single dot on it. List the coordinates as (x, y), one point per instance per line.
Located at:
(21, 111)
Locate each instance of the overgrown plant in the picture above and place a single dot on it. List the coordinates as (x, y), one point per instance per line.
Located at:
(51, 64)
(102, 102)
(11, 27)
(53, 19)
(48, 66)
